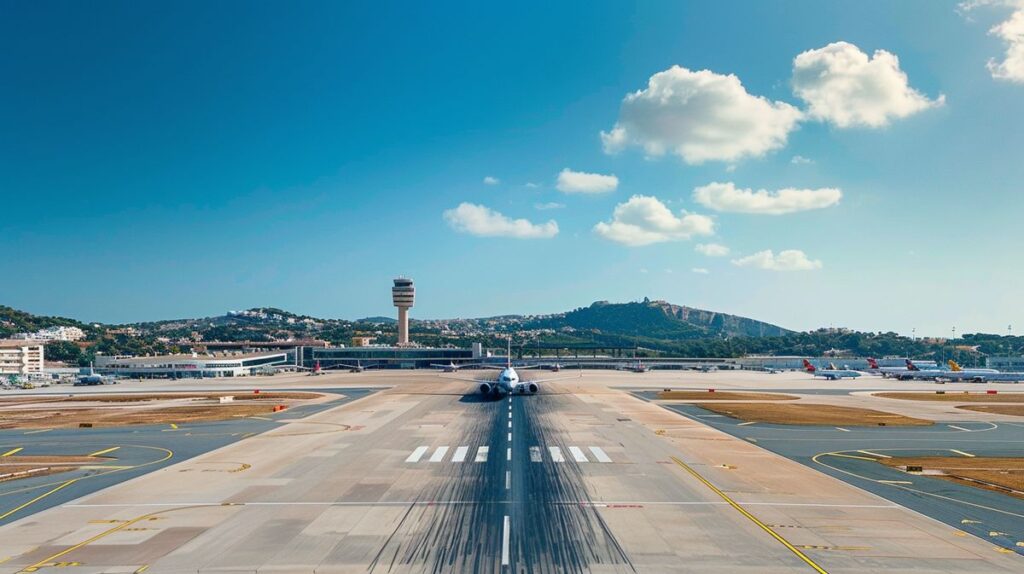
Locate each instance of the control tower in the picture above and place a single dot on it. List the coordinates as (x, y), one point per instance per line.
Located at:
(403, 294)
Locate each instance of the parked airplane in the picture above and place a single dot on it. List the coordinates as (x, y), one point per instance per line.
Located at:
(958, 373)
(92, 378)
(508, 381)
(830, 374)
(451, 367)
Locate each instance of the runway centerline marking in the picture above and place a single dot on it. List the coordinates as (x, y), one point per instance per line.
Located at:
(504, 542)
(509, 437)
(508, 454)
(752, 518)
(508, 479)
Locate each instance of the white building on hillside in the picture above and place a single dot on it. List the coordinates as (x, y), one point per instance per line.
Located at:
(20, 357)
(59, 333)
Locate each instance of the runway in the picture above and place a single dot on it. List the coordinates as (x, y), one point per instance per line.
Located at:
(428, 476)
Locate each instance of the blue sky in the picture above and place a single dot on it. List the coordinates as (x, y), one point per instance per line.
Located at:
(184, 160)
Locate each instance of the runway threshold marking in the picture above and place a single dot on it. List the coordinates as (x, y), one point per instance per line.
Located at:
(481, 454)
(600, 454)
(460, 454)
(962, 453)
(439, 453)
(535, 455)
(417, 454)
(105, 451)
(577, 454)
(13, 451)
(556, 454)
(807, 559)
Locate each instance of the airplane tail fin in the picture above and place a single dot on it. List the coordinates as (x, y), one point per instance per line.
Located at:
(808, 366)
(953, 366)
(911, 366)
(509, 356)
(832, 366)
(872, 363)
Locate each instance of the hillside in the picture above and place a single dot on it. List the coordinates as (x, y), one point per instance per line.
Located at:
(658, 320)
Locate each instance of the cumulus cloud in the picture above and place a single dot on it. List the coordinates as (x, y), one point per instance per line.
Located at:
(711, 249)
(787, 260)
(489, 180)
(570, 181)
(644, 220)
(728, 197)
(700, 116)
(548, 205)
(485, 222)
(700, 271)
(845, 87)
(1012, 33)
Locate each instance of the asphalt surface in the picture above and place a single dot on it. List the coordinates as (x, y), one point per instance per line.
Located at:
(126, 452)
(850, 454)
(506, 513)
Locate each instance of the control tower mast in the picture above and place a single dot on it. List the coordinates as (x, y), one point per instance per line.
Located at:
(403, 294)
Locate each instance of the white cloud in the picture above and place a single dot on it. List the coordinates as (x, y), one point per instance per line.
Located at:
(644, 220)
(485, 222)
(788, 260)
(548, 205)
(711, 249)
(801, 160)
(570, 181)
(727, 197)
(700, 116)
(531, 185)
(489, 180)
(1012, 33)
(700, 270)
(842, 85)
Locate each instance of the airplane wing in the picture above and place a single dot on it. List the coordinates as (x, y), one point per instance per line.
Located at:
(468, 380)
(550, 379)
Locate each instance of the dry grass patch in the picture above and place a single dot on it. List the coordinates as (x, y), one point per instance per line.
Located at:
(963, 397)
(144, 397)
(1016, 410)
(722, 396)
(108, 416)
(812, 414)
(1007, 473)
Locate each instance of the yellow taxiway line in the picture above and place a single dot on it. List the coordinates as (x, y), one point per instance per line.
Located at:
(105, 451)
(13, 451)
(807, 559)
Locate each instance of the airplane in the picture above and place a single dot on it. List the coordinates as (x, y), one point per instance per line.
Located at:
(451, 367)
(638, 367)
(93, 378)
(316, 370)
(830, 374)
(958, 373)
(508, 381)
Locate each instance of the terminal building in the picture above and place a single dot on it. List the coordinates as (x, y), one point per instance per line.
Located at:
(192, 366)
(21, 357)
(1005, 364)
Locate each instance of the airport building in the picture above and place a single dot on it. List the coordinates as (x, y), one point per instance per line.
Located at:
(21, 357)
(1005, 364)
(384, 357)
(192, 366)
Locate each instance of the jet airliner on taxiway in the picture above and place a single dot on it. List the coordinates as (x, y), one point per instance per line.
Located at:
(830, 374)
(508, 381)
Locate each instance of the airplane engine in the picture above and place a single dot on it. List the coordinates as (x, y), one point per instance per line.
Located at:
(533, 388)
(485, 389)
